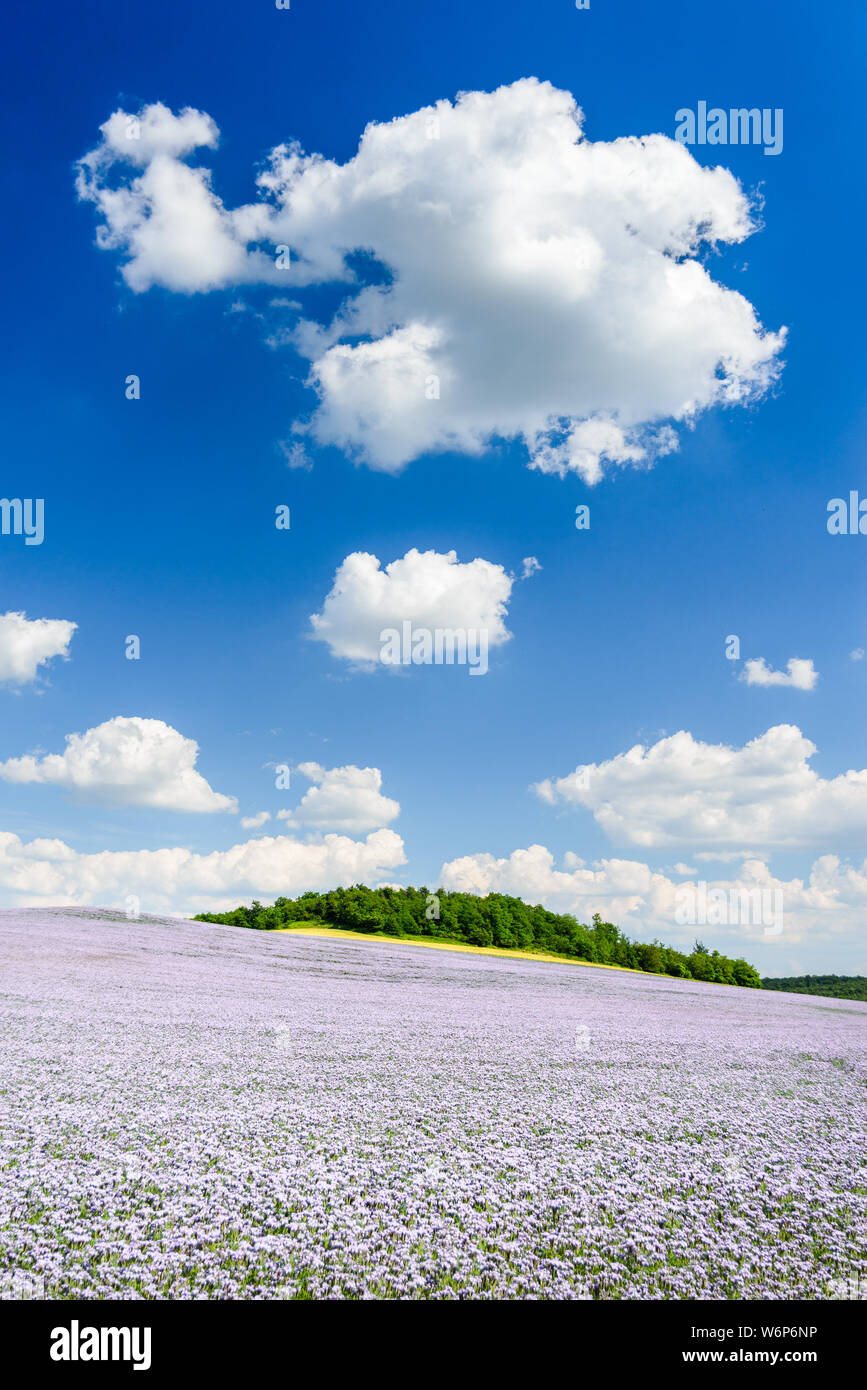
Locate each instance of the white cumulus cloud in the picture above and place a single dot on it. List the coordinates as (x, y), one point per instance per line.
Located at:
(539, 286)
(426, 588)
(162, 214)
(130, 761)
(28, 643)
(47, 872)
(254, 822)
(800, 674)
(681, 791)
(342, 798)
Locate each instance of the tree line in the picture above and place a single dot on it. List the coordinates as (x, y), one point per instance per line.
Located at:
(832, 986)
(496, 920)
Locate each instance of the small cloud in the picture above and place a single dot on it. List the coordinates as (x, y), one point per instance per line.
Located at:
(239, 307)
(253, 822)
(342, 798)
(799, 674)
(529, 565)
(296, 455)
(27, 644)
(427, 589)
(857, 655)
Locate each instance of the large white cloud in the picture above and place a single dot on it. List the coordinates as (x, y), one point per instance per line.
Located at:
(428, 589)
(540, 286)
(131, 761)
(28, 643)
(681, 791)
(342, 798)
(46, 872)
(826, 906)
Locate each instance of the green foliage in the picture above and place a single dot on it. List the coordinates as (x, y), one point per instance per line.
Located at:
(832, 986)
(497, 920)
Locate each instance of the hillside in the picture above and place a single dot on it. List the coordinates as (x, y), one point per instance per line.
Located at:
(496, 920)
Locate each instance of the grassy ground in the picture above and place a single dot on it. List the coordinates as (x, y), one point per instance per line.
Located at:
(320, 929)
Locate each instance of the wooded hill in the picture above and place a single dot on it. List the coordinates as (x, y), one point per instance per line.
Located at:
(496, 920)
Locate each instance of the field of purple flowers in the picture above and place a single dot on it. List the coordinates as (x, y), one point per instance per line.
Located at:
(197, 1111)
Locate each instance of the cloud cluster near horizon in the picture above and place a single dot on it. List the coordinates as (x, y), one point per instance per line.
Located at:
(50, 873)
(830, 902)
(679, 790)
(529, 284)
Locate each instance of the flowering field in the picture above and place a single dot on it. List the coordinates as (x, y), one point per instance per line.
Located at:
(197, 1111)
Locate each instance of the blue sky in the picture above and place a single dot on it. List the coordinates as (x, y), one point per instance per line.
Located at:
(159, 513)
